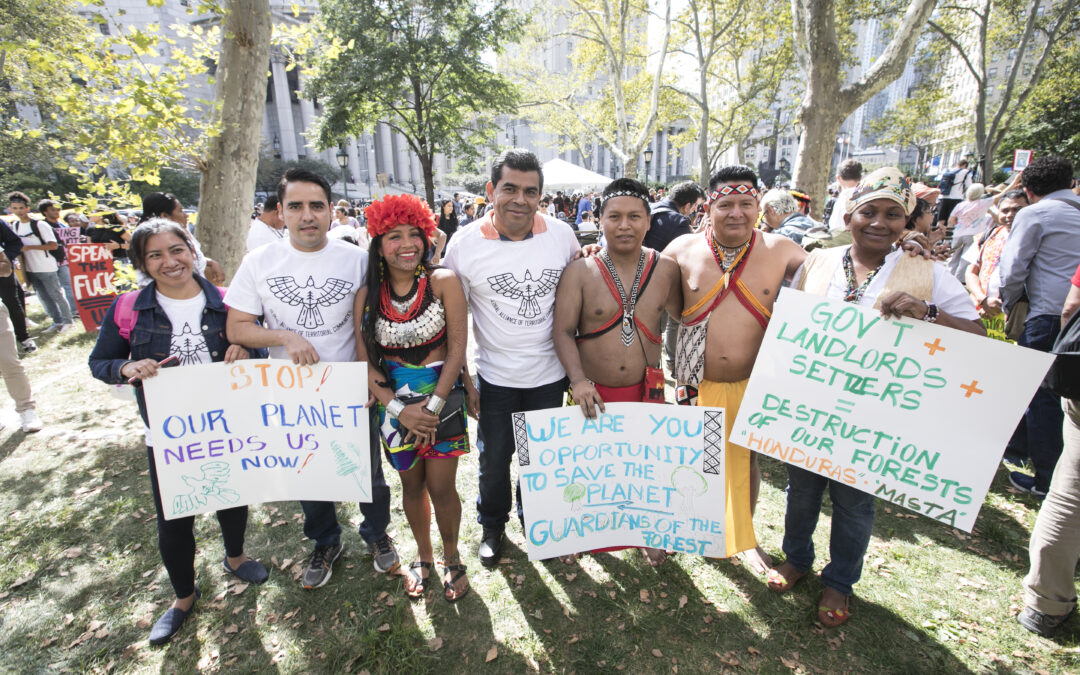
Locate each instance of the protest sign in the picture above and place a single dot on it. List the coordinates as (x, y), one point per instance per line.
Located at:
(914, 413)
(640, 474)
(69, 235)
(91, 268)
(258, 431)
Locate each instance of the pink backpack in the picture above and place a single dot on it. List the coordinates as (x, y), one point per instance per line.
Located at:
(125, 316)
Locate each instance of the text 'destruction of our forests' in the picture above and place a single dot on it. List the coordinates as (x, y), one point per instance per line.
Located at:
(639, 474)
(258, 431)
(914, 413)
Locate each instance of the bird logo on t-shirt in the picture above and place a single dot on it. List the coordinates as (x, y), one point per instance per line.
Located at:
(309, 296)
(188, 345)
(527, 290)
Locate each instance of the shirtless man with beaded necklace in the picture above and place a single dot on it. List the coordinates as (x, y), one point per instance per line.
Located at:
(730, 276)
(607, 313)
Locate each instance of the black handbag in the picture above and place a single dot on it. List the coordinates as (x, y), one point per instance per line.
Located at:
(1063, 378)
(452, 422)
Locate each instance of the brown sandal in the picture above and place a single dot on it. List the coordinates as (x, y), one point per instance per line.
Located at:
(833, 617)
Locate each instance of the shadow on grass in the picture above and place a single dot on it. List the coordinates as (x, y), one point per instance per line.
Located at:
(11, 443)
(998, 530)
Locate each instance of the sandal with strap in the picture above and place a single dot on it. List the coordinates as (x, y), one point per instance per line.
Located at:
(833, 617)
(420, 582)
(458, 571)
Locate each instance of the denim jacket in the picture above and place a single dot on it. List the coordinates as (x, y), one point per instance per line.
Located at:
(151, 337)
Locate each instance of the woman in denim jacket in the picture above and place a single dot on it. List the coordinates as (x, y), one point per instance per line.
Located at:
(180, 314)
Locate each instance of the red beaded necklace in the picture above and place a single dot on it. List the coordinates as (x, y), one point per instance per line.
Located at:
(386, 295)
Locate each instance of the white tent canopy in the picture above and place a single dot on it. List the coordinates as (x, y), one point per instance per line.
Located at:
(562, 175)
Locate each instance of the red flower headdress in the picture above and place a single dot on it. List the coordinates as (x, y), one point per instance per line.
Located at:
(393, 210)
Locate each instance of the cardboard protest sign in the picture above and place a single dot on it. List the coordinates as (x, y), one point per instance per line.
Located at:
(259, 431)
(91, 268)
(69, 235)
(914, 413)
(641, 474)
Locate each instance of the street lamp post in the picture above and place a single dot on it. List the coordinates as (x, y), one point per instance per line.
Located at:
(343, 162)
(647, 155)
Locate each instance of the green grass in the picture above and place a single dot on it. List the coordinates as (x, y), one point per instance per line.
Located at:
(81, 581)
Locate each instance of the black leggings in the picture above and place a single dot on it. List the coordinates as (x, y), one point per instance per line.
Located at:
(176, 538)
(11, 294)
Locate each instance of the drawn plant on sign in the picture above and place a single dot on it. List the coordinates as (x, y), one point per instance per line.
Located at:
(573, 494)
(689, 484)
(215, 476)
(347, 466)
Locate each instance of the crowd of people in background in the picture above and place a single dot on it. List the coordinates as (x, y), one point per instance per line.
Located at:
(999, 260)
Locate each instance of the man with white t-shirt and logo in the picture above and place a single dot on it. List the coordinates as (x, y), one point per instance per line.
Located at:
(509, 262)
(303, 286)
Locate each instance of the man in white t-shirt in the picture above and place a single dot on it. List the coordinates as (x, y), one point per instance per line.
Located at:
(509, 262)
(960, 183)
(303, 286)
(38, 263)
(848, 175)
(268, 227)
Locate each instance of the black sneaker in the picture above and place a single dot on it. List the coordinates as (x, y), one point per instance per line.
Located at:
(1025, 483)
(490, 547)
(320, 564)
(1042, 624)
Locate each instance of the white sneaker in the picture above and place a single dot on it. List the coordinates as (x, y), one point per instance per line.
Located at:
(28, 346)
(30, 421)
(55, 328)
(65, 327)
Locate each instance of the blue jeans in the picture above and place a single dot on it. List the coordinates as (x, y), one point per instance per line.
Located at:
(320, 518)
(852, 522)
(496, 445)
(47, 287)
(65, 283)
(1039, 433)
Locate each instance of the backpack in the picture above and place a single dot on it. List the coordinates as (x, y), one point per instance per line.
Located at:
(57, 252)
(946, 183)
(125, 315)
(1063, 378)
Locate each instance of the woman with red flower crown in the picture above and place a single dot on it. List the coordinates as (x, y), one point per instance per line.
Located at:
(413, 319)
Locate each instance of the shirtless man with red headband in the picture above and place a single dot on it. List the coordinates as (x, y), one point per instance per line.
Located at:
(730, 276)
(607, 312)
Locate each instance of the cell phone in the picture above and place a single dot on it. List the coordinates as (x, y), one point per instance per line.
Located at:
(167, 362)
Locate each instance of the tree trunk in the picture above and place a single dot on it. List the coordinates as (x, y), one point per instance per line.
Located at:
(820, 123)
(227, 185)
(826, 104)
(427, 160)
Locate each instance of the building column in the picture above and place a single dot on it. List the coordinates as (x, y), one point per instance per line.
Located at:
(354, 159)
(283, 106)
(307, 118)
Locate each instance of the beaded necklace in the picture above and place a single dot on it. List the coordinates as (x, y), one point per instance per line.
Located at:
(727, 257)
(855, 291)
(627, 334)
(403, 307)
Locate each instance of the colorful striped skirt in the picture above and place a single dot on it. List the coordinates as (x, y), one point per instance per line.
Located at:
(407, 380)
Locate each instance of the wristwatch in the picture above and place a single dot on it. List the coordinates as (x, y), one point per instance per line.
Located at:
(931, 312)
(435, 405)
(394, 408)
